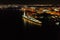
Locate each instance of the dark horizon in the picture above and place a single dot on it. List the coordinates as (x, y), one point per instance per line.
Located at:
(55, 2)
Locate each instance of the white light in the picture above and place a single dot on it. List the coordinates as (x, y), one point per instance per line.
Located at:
(57, 23)
(45, 10)
(41, 17)
(53, 16)
(56, 16)
(56, 9)
(16, 6)
(32, 7)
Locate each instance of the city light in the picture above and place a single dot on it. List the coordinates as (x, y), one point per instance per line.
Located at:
(30, 13)
(57, 23)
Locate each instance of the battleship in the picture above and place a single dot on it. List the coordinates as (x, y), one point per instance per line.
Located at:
(31, 19)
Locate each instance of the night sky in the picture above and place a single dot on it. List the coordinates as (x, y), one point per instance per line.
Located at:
(29, 2)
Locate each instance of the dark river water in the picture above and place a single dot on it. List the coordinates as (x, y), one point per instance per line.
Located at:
(7, 17)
